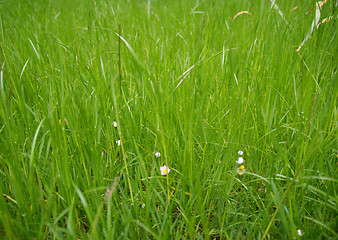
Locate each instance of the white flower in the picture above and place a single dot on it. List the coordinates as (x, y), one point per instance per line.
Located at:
(157, 154)
(240, 153)
(143, 205)
(241, 170)
(118, 142)
(299, 232)
(164, 170)
(115, 124)
(240, 160)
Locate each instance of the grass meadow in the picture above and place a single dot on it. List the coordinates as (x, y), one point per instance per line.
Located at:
(236, 98)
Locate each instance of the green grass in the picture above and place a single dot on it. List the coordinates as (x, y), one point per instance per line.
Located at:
(182, 78)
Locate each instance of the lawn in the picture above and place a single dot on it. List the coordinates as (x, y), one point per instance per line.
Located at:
(191, 119)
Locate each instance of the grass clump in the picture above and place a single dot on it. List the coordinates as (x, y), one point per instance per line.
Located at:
(98, 96)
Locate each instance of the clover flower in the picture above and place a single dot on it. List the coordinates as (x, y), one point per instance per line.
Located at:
(240, 160)
(240, 153)
(157, 154)
(241, 170)
(164, 170)
(115, 124)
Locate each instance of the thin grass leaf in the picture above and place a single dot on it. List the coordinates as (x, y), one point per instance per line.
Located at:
(275, 6)
(36, 52)
(314, 23)
(322, 225)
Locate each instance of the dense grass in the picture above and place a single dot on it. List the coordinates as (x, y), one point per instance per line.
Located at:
(183, 79)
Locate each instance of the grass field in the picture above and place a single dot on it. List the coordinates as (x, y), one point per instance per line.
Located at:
(97, 96)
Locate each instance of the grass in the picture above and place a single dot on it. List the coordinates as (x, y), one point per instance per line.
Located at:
(183, 78)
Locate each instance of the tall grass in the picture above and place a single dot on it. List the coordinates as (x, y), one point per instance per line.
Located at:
(183, 78)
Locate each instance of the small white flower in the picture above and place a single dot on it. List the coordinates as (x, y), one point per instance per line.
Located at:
(157, 154)
(240, 160)
(241, 170)
(143, 205)
(240, 153)
(118, 142)
(115, 124)
(164, 170)
(299, 232)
